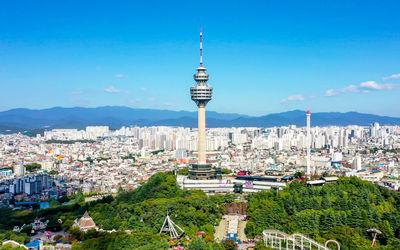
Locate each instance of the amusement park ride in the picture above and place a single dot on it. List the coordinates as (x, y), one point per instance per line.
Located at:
(169, 227)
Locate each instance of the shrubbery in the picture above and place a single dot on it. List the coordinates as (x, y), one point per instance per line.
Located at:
(343, 211)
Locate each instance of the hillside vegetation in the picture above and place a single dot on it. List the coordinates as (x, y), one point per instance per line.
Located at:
(343, 211)
(141, 211)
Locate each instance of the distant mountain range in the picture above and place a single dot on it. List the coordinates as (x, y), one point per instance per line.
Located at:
(15, 120)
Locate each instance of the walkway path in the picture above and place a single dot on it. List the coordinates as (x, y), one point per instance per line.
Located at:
(241, 233)
(221, 230)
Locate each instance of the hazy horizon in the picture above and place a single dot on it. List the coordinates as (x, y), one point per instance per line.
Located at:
(195, 111)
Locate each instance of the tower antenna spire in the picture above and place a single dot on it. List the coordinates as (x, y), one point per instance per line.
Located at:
(201, 47)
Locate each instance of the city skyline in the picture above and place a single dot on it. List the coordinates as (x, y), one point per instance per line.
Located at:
(199, 125)
(321, 56)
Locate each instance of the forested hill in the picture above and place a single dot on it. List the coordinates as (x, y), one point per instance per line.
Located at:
(141, 211)
(343, 211)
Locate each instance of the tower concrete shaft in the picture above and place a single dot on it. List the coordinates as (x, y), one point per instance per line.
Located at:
(202, 134)
(201, 94)
(308, 141)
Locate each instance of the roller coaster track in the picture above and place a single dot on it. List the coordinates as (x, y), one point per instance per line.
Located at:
(276, 239)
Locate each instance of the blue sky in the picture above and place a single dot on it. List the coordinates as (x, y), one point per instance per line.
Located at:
(262, 56)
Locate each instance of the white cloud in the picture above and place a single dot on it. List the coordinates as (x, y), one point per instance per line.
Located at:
(333, 92)
(372, 85)
(394, 76)
(111, 89)
(76, 92)
(293, 98)
(143, 89)
(364, 87)
(120, 76)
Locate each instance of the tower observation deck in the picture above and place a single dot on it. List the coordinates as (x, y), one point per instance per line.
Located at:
(201, 94)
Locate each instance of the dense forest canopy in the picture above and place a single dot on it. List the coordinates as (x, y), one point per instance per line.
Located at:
(343, 211)
(144, 209)
(141, 211)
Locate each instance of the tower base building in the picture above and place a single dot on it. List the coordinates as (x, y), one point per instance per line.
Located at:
(202, 172)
